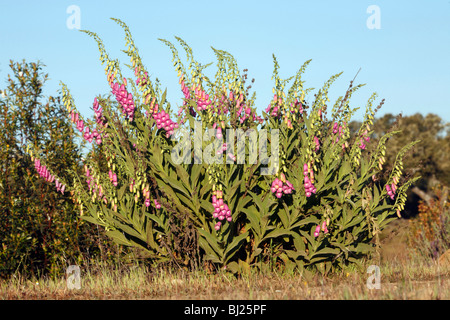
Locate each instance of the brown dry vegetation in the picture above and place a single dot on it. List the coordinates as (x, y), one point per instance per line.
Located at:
(402, 277)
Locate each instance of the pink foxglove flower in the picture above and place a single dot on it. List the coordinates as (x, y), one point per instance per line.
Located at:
(316, 141)
(317, 231)
(278, 187)
(324, 226)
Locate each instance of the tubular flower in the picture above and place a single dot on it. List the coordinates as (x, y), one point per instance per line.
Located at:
(99, 118)
(113, 178)
(140, 81)
(296, 107)
(364, 138)
(335, 128)
(280, 186)
(223, 149)
(338, 129)
(93, 187)
(316, 141)
(202, 98)
(46, 175)
(75, 118)
(274, 111)
(324, 226)
(187, 97)
(221, 210)
(391, 192)
(317, 231)
(124, 98)
(308, 183)
(219, 133)
(231, 156)
(163, 121)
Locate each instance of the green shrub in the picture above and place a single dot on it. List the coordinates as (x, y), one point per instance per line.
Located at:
(319, 208)
(40, 232)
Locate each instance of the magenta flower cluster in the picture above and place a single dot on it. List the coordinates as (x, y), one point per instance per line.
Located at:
(45, 174)
(202, 98)
(224, 149)
(221, 211)
(322, 227)
(187, 97)
(317, 143)
(185, 90)
(157, 204)
(113, 178)
(365, 138)
(140, 81)
(308, 183)
(147, 202)
(90, 136)
(163, 121)
(219, 134)
(99, 118)
(77, 121)
(222, 106)
(244, 111)
(338, 129)
(391, 190)
(280, 186)
(94, 187)
(90, 179)
(87, 134)
(124, 98)
(274, 111)
(297, 105)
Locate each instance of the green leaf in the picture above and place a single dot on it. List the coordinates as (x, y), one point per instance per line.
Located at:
(195, 173)
(121, 192)
(233, 267)
(253, 216)
(91, 220)
(327, 251)
(308, 220)
(118, 237)
(212, 241)
(278, 232)
(234, 245)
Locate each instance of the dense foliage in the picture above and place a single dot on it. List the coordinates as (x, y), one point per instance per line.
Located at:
(39, 228)
(312, 199)
(429, 159)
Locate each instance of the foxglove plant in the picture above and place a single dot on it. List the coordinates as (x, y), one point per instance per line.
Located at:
(148, 200)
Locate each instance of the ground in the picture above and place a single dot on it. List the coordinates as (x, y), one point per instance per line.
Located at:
(402, 277)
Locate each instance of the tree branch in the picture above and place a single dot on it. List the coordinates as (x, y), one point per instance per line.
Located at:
(422, 194)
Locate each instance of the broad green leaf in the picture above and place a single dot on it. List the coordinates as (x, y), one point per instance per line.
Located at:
(234, 245)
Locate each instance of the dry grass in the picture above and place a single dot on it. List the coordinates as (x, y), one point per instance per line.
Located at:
(402, 277)
(397, 282)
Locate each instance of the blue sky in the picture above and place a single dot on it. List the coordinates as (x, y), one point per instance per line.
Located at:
(406, 61)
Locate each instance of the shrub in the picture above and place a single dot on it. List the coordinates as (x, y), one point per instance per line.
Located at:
(40, 232)
(430, 229)
(318, 205)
